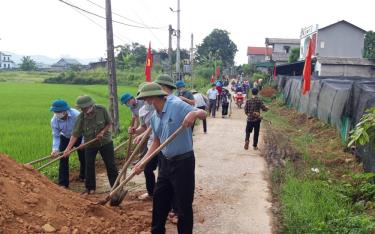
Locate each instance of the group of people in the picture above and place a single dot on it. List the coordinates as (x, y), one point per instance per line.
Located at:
(218, 96)
(163, 106)
(155, 106)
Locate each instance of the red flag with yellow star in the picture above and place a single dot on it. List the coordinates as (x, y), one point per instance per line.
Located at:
(148, 64)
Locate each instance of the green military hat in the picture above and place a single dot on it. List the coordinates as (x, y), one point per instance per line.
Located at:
(165, 79)
(140, 87)
(151, 90)
(193, 91)
(84, 101)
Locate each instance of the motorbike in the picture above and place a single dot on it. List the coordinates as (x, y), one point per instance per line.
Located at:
(239, 99)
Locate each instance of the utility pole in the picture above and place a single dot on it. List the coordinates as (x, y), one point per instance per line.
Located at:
(112, 83)
(170, 50)
(192, 60)
(178, 71)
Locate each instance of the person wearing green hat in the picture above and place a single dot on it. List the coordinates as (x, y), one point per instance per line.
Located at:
(176, 178)
(94, 122)
(62, 124)
(184, 94)
(167, 85)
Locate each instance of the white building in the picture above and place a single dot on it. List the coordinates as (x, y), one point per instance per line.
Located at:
(5, 61)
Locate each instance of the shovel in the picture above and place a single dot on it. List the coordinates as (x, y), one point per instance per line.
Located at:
(116, 200)
(142, 164)
(71, 151)
(49, 156)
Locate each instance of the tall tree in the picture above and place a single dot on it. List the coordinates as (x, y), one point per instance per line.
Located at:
(294, 55)
(27, 64)
(369, 45)
(218, 44)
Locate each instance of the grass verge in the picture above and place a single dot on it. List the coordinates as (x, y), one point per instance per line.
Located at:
(317, 187)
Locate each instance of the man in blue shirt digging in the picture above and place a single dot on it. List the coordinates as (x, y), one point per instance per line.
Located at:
(176, 178)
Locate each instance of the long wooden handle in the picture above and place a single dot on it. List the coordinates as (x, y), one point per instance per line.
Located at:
(120, 145)
(143, 162)
(71, 151)
(130, 159)
(39, 160)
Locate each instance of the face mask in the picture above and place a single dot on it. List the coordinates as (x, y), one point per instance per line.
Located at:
(149, 102)
(148, 107)
(60, 115)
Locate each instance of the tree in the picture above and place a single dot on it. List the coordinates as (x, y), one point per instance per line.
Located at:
(294, 55)
(131, 55)
(369, 45)
(219, 45)
(27, 64)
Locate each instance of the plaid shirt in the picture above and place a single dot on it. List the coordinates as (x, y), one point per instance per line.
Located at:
(252, 109)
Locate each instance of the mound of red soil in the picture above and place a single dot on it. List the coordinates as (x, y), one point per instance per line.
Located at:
(268, 91)
(30, 203)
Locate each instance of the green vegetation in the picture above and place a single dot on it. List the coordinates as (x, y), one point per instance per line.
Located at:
(25, 119)
(219, 45)
(26, 76)
(369, 45)
(364, 132)
(28, 64)
(320, 188)
(294, 55)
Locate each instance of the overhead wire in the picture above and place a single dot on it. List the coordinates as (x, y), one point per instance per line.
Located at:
(141, 23)
(102, 17)
(102, 27)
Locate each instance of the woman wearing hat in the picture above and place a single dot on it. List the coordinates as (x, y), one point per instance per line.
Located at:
(176, 178)
(62, 124)
(94, 122)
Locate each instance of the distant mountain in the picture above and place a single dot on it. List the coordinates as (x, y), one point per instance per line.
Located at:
(48, 60)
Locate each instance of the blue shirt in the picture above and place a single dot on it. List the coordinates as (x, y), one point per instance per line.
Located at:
(63, 127)
(166, 123)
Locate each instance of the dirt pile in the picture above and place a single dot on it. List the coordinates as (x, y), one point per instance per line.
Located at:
(268, 92)
(30, 203)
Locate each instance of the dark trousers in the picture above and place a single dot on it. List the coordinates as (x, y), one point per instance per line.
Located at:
(218, 102)
(204, 121)
(176, 180)
(150, 176)
(212, 107)
(224, 107)
(108, 156)
(249, 128)
(64, 162)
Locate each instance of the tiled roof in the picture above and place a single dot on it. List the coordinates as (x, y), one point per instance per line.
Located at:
(251, 50)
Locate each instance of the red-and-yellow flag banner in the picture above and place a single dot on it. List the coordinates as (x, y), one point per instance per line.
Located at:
(148, 66)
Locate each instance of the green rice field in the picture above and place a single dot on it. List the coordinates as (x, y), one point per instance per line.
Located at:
(25, 132)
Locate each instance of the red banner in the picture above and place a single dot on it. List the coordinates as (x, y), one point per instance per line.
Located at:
(307, 68)
(148, 64)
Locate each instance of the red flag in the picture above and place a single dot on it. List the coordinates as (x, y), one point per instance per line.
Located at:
(274, 72)
(307, 69)
(212, 79)
(148, 64)
(217, 71)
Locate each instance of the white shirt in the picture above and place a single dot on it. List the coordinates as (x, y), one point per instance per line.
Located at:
(212, 94)
(199, 100)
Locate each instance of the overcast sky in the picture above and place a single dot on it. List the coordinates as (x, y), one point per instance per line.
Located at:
(51, 28)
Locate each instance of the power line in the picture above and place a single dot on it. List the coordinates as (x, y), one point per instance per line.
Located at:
(102, 17)
(141, 23)
(102, 27)
(114, 13)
